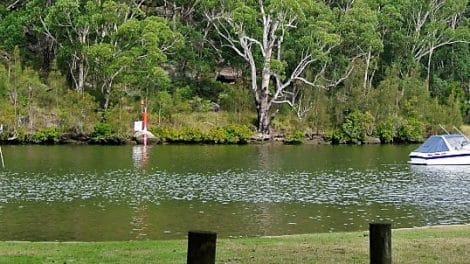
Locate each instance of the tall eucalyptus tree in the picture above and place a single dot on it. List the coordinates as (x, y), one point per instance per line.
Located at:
(432, 24)
(75, 25)
(260, 31)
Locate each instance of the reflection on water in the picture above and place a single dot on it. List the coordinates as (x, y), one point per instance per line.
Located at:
(441, 170)
(447, 186)
(140, 156)
(163, 191)
(140, 221)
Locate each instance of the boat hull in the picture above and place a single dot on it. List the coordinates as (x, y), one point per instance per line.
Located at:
(440, 158)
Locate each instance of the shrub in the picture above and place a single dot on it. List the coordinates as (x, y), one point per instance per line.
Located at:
(230, 134)
(295, 138)
(337, 136)
(78, 112)
(237, 134)
(386, 131)
(216, 135)
(45, 136)
(103, 134)
(411, 130)
(199, 104)
(120, 119)
(357, 126)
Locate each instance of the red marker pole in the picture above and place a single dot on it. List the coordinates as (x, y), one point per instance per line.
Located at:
(145, 118)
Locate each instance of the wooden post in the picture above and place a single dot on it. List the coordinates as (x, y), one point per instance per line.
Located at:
(1, 153)
(1, 156)
(380, 242)
(201, 247)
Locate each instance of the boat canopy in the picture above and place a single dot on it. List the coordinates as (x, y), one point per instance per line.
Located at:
(438, 144)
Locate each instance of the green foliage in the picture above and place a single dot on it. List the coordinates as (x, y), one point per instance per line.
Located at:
(118, 53)
(199, 104)
(230, 134)
(410, 130)
(120, 117)
(104, 134)
(144, 44)
(7, 118)
(181, 99)
(102, 130)
(46, 136)
(235, 98)
(337, 136)
(357, 126)
(295, 138)
(287, 123)
(239, 134)
(387, 130)
(11, 30)
(78, 112)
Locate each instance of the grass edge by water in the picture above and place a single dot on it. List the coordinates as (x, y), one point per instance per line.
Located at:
(436, 244)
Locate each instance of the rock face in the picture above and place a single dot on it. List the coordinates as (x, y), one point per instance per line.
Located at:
(372, 140)
(74, 138)
(260, 137)
(139, 137)
(229, 74)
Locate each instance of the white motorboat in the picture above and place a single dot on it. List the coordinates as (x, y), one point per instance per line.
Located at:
(451, 149)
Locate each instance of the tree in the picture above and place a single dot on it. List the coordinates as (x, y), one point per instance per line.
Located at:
(76, 25)
(257, 32)
(145, 45)
(359, 28)
(21, 86)
(432, 24)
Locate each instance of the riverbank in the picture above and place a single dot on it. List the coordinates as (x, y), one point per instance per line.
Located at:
(440, 244)
(220, 132)
(205, 128)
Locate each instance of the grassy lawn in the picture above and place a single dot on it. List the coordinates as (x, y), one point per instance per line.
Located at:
(449, 244)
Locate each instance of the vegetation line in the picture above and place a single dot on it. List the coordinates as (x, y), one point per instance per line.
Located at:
(336, 71)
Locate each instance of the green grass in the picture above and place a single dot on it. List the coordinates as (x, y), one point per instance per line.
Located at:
(450, 244)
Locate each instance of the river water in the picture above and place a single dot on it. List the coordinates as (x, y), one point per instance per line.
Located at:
(101, 193)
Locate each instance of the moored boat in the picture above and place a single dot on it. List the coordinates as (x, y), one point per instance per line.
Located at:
(450, 149)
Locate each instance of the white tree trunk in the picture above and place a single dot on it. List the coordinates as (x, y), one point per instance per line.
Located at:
(274, 27)
(428, 74)
(81, 75)
(366, 71)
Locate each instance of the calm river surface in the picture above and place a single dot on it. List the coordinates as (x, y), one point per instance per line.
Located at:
(96, 193)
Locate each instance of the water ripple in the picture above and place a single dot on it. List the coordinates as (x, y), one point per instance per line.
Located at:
(427, 189)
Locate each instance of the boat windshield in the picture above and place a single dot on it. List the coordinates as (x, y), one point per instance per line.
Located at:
(456, 141)
(433, 144)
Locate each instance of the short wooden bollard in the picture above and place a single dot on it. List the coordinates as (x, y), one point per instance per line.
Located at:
(380, 243)
(201, 247)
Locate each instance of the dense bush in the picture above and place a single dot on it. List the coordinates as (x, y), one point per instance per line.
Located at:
(238, 134)
(230, 134)
(45, 136)
(400, 130)
(386, 130)
(337, 136)
(78, 112)
(354, 129)
(103, 134)
(410, 130)
(102, 130)
(121, 119)
(295, 138)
